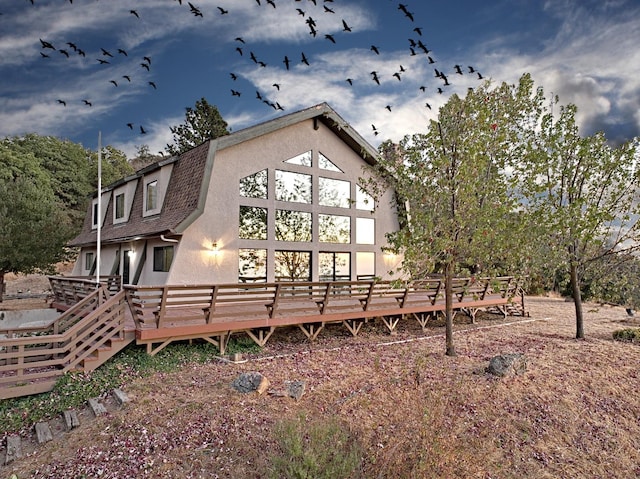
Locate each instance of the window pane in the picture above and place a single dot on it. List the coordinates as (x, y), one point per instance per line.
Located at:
(254, 186)
(364, 201)
(253, 223)
(303, 160)
(293, 225)
(120, 206)
(295, 187)
(334, 266)
(365, 231)
(293, 265)
(162, 258)
(88, 261)
(95, 214)
(334, 192)
(334, 229)
(365, 265)
(152, 191)
(252, 265)
(325, 163)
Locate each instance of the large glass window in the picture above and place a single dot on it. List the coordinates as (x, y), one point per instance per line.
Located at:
(365, 265)
(293, 265)
(365, 231)
(325, 163)
(162, 258)
(303, 159)
(253, 223)
(334, 229)
(252, 265)
(334, 266)
(364, 201)
(94, 219)
(294, 187)
(88, 261)
(152, 196)
(254, 186)
(120, 206)
(334, 192)
(293, 225)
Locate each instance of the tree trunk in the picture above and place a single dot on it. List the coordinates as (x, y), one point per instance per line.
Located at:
(577, 301)
(2, 286)
(448, 299)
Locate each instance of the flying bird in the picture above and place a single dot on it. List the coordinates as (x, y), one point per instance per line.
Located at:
(253, 57)
(375, 49)
(397, 75)
(64, 52)
(239, 50)
(234, 77)
(122, 52)
(418, 30)
(87, 102)
(304, 59)
(300, 11)
(235, 92)
(106, 53)
(388, 107)
(327, 9)
(147, 59)
(142, 130)
(46, 44)
(223, 11)
(134, 13)
(195, 10)
(130, 125)
(286, 62)
(44, 55)
(345, 27)
(102, 62)
(277, 86)
(272, 3)
(127, 77)
(329, 37)
(239, 39)
(349, 81)
(153, 85)
(144, 65)
(62, 102)
(458, 69)
(114, 82)
(73, 46)
(374, 74)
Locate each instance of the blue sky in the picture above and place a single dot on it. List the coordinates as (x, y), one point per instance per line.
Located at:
(586, 51)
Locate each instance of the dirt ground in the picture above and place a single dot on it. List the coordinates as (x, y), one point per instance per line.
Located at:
(416, 413)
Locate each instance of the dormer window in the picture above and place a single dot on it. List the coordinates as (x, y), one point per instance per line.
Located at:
(119, 210)
(151, 196)
(94, 219)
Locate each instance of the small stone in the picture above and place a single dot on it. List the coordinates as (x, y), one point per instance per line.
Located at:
(43, 432)
(295, 389)
(251, 381)
(120, 396)
(14, 449)
(97, 408)
(71, 419)
(507, 365)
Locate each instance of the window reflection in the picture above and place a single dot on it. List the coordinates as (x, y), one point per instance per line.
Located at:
(293, 225)
(365, 231)
(334, 266)
(252, 265)
(254, 186)
(325, 163)
(365, 265)
(303, 160)
(293, 265)
(334, 229)
(294, 187)
(334, 192)
(253, 223)
(364, 201)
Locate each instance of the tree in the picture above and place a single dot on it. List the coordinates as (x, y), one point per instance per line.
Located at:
(114, 166)
(461, 209)
(201, 124)
(33, 225)
(584, 192)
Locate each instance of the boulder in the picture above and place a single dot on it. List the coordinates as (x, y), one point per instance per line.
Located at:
(507, 365)
(249, 382)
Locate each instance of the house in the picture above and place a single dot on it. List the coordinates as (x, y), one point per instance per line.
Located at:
(279, 201)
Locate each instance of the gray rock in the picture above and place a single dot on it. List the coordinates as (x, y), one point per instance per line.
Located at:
(97, 408)
(14, 449)
(507, 365)
(249, 382)
(295, 389)
(71, 419)
(43, 432)
(120, 396)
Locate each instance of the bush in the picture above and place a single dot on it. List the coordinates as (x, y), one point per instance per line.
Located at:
(318, 449)
(631, 335)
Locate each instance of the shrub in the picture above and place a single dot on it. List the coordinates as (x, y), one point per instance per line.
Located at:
(631, 335)
(317, 449)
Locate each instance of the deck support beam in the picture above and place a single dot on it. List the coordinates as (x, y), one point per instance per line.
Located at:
(354, 325)
(261, 335)
(311, 330)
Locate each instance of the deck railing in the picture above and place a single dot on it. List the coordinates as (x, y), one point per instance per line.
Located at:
(31, 361)
(69, 290)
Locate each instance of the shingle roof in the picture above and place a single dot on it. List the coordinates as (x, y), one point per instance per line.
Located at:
(190, 177)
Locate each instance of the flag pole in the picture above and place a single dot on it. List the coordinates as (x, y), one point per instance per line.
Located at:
(98, 240)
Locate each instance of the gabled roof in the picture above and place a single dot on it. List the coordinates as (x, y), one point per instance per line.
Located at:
(189, 183)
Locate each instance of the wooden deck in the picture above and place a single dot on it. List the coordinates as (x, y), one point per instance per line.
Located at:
(97, 325)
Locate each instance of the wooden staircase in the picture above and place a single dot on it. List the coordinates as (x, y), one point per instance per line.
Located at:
(81, 339)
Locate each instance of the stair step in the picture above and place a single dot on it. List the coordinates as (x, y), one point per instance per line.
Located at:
(71, 419)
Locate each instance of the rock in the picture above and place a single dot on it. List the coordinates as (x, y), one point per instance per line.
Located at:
(249, 382)
(120, 396)
(97, 408)
(14, 449)
(71, 419)
(43, 432)
(507, 365)
(295, 389)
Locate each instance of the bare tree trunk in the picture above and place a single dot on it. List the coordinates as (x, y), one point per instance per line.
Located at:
(448, 299)
(577, 301)
(2, 286)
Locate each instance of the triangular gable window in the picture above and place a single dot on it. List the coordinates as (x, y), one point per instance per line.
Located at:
(303, 160)
(325, 163)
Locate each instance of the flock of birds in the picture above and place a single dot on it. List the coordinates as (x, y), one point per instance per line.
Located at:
(416, 47)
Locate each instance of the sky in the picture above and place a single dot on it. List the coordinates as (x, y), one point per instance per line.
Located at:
(164, 55)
